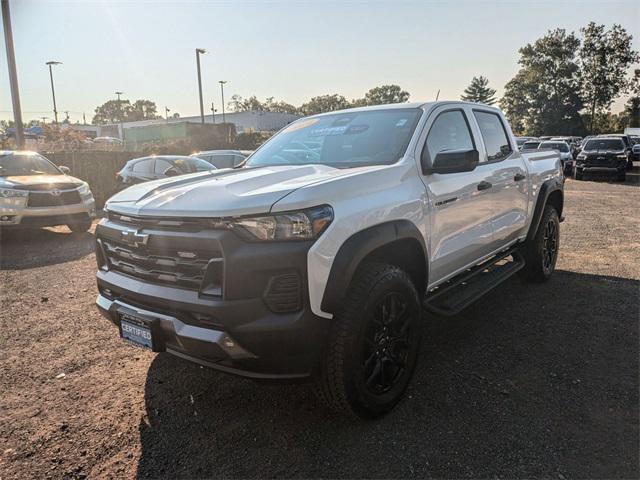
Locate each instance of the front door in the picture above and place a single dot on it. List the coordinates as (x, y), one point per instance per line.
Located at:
(461, 230)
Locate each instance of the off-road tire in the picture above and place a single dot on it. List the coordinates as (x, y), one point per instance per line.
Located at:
(339, 383)
(80, 226)
(533, 250)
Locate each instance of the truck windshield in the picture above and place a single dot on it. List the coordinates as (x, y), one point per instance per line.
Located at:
(26, 164)
(342, 140)
(604, 144)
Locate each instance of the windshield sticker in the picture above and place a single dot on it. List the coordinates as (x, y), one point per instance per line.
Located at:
(354, 129)
(324, 132)
(299, 125)
(401, 122)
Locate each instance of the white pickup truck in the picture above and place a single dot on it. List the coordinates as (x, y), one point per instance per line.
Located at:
(317, 257)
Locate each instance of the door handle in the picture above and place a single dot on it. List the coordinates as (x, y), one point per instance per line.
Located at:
(519, 177)
(484, 185)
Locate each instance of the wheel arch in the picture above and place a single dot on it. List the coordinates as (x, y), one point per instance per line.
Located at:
(396, 242)
(551, 193)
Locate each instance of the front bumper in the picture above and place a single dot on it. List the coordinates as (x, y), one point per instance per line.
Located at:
(239, 329)
(15, 213)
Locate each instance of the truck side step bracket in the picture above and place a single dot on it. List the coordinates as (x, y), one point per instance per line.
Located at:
(458, 293)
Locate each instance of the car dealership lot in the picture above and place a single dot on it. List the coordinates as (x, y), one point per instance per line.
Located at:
(531, 381)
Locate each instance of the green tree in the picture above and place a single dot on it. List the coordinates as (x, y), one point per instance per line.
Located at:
(479, 91)
(543, 97)
(324, 103)
(114, 111)
(604, 56)
(630, 116)
(142, 110)
(239, 104)
(382, 95)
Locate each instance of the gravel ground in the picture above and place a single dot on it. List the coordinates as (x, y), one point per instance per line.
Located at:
(532, 381)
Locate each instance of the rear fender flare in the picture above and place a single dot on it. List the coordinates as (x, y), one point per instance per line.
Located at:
(546, 189)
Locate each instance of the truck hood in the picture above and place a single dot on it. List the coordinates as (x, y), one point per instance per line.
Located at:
(221, 193)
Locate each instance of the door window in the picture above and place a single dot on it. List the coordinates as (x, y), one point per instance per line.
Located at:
(162, 166)
(449, 131)
(496, 142)
(143, 166)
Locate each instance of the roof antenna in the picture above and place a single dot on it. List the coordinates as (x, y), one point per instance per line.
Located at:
(438, 95)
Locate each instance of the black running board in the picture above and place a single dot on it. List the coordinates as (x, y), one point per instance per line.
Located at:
(458, 293)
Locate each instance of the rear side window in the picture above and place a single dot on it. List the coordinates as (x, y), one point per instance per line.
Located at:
(162, 166)
(143, 166)
(494, 135)
(449, 132)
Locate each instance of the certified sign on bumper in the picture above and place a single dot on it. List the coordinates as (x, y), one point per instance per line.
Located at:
(135, 331)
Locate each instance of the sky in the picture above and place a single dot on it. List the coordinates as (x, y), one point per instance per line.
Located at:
(290, 50)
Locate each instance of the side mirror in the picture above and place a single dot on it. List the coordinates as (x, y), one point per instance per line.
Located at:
(65, 170)
(172, 172)
(450, 161)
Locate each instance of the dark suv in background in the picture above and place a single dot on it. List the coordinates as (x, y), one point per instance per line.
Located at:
(603, 155)
(156, 167)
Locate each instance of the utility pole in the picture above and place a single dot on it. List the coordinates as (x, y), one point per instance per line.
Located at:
(166, 113)
(84, 119)
(121, 115)
(198, 52)
(44, 120)
(13, 74)
(222, 82)
(53, 91)
(213, 113)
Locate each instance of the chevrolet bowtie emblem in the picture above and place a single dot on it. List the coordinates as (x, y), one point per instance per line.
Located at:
(134, 237)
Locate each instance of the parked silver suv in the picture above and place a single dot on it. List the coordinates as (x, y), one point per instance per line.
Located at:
(36, 193)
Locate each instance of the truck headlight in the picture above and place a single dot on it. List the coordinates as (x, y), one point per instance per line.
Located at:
(582, 156)
(10, 193)
(301, 225)
(621, 157)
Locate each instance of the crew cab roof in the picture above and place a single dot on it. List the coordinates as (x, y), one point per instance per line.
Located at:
(423, 105)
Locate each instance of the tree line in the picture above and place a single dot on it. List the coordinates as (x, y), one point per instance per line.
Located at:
(566, 84)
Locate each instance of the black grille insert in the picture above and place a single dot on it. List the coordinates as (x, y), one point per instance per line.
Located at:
(57, 199)
(173, 267)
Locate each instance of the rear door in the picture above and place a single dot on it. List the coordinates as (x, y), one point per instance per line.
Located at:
(509, 191)
(161, 166)
(142, 170)
(461, 230)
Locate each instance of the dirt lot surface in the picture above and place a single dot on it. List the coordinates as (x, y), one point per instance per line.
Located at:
(532, 381)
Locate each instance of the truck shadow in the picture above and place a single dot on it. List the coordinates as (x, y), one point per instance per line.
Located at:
(531, 381)
(38, 247)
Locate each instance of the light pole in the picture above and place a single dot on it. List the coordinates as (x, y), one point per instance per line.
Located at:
(13, 73)
(51, 63)
(198, 52)
(222, 82)
(121, 115)
(166, 113)
(213, 113)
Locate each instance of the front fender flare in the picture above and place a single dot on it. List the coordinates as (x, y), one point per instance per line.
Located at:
(356, 248)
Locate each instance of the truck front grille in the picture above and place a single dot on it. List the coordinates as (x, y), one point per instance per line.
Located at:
(57, 199)
(167, 266)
